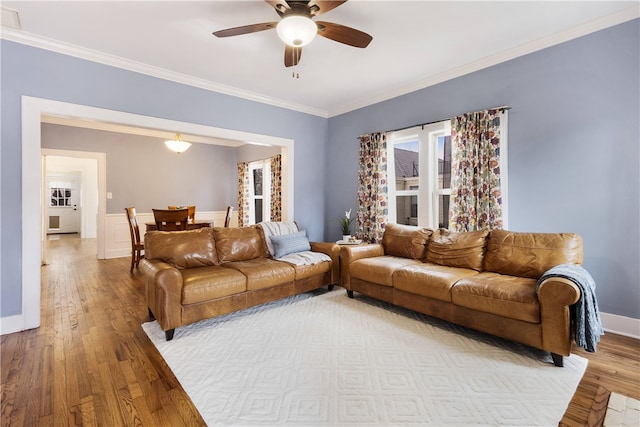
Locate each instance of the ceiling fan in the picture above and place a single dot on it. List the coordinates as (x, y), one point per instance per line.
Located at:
(296, 27)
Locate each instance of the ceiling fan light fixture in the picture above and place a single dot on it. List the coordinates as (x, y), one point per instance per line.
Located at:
(296, 30)
(177, 144)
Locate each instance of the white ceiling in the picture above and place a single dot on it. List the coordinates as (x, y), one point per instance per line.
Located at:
(415, 43)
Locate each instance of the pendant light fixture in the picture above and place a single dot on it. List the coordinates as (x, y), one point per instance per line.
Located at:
(177, 144)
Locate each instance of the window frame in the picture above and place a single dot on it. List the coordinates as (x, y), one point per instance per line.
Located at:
(265, 165)
(430, 193)
(427, 193)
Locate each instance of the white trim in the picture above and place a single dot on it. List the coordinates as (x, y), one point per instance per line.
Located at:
(504, 167)
(621, 325)
(102, 194)
(525, 49)
(32, 111)
(115, 61)
(11, 324)
(42, 42)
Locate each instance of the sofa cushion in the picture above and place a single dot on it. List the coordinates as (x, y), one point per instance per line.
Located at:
(286, 244)
(530, 254)
(379, 269)
(182, 249)
(239, 244)
(429, 280)
(463, 249)
(308, 270)
(405, 241)
(263, 272)
(208, 283)
(507, 296)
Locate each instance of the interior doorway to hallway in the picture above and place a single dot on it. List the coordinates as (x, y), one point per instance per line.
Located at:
(70, 197)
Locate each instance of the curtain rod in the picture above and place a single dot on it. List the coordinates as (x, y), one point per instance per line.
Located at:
(503, 108)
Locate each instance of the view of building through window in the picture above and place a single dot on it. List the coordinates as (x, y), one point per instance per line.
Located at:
(422, 169)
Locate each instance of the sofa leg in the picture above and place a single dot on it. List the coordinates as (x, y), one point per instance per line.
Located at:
(350, 294)
(330, 287)
(169, 334)
(151, 316)
(557, 360)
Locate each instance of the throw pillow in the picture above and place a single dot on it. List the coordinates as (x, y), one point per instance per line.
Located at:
(290, 243)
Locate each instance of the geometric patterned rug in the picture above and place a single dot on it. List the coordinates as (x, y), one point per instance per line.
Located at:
(323, 359)
(622, 411)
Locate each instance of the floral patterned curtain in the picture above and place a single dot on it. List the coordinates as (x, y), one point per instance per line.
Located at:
(243, 194)
(476, 198)
(373, 198)
(276, 188)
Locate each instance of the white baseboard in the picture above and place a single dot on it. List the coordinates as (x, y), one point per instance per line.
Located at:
(621, 325)
(11, 324)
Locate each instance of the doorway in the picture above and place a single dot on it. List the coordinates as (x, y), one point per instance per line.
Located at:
(33, 110)
(71, 196)
(62, 215)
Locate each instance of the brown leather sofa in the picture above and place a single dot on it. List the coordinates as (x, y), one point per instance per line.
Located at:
(482, 280)
(199, 274)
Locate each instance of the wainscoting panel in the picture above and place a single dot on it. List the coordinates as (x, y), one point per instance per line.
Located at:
(118, 241)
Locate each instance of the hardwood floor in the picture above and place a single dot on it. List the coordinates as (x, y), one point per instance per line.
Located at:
(90, 363)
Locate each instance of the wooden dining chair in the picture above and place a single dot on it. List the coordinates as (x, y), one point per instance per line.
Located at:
(171, 219)
(137, 247)
(227, 218)
(191, 210)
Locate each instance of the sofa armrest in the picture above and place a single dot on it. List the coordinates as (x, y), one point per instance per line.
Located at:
(555, 295)
(333, 250)
(163, 290)
(351, 253)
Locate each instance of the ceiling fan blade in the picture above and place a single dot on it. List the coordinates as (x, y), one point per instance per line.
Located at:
(245, 29)
(280, 6)
(318, 7)
(292, 55)
(343, 34)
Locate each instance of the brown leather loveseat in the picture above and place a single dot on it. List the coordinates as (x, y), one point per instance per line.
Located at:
(198, 274)
(482, 280)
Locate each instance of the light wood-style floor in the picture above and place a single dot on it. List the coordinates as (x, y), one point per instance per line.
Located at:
(90, 363)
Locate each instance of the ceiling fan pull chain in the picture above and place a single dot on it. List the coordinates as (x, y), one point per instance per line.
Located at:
(295, 56)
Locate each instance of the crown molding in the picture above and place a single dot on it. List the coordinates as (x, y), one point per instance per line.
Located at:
(41, 42)
(126, 64)
(536, 45)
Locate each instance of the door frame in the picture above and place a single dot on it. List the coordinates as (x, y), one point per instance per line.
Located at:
(33, 109)
(101, 158)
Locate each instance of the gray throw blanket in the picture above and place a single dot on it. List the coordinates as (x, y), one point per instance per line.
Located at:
(585, 316)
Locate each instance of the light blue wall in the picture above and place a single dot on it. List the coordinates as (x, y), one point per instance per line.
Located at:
(573, 142)
(44, 74)
(142, 172)
(574, 137)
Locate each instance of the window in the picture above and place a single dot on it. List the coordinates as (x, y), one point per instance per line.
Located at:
(259, 194)
(420, 164)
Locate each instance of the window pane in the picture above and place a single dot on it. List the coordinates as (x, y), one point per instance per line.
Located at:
(257, 182)
(258, 211)
(407, 210)
(406, 164)
(444, 162)
(443, 215)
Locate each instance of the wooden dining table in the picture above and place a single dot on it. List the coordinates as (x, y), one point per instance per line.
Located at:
(151, 226)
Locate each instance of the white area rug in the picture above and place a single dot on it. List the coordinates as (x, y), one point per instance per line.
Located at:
(622, 411)
(324, 359)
